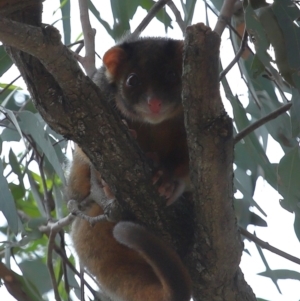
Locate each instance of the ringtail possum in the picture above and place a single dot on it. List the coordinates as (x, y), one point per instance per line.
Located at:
(145, 76)
(129, 262)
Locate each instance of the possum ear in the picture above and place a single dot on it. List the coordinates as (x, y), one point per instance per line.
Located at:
(113, 60)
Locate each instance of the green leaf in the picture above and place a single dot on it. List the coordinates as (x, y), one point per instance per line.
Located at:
(288, 177)
(36, 195)
(283, 274)
(32, 126)
(121, 19)
(96, 13)
(280, 127)
(28, 288)
(294, 111)
(5, 61)
(10, 94)
(15, 165)
(261, 41)
(7, 204)
(253, 147)
(257, 67)
(13, 119)
(190, 9)
(10, 135)
(286, 13)
(161, 16)
(17, 191)
(297, 223)
(32, 268)
(65, 7)
(247, 196)
(8, 98)
(268, 273)
(245, 216)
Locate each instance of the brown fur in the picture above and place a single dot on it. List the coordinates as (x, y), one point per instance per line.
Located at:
(129, 263)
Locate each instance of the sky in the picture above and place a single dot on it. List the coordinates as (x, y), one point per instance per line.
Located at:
(279, 232)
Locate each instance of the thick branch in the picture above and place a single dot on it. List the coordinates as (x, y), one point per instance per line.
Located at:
(225, 16)
(209, 132)
(73, 106)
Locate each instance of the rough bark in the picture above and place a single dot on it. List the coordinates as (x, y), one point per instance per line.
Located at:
(73, 106)
(217, 250)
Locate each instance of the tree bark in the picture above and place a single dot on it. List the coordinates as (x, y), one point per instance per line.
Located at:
(217, 250)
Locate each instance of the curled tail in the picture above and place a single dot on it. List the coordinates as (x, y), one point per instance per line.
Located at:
(170, 271)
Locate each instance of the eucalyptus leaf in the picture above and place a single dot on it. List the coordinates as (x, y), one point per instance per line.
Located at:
(268, 273)
(65, 7)
(288, 177)
(13, 119)
(96, 13)
(5, 61)
(7, 204)
(33, 127)
(31, 268)
(286, 13)
(15, 165)
(283, 274)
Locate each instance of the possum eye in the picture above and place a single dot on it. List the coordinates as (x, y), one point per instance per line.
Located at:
(132, 80)
(171, 76)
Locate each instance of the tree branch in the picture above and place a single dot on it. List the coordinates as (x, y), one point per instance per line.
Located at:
(151, 14)
(252, 127)
(51, 243)
(267, 246)
(237, 56)
(177, 15)
(225, 16)
(59, 98)
(88, 61)
(209, 134)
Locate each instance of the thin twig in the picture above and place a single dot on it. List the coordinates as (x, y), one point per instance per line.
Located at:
(237, 56)
(71, 266)
(267, 246)
(47, 199)
(50, 248)
(73, 208)
(57, 226)
(249, 129)
(151, 14)
(64, 265)
(78, 49)
(177, 15)
(82, 283)
(75, 43)
(88, 61)
(253, 95)
(8, 85)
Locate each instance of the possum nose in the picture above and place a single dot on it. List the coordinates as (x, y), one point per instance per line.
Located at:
(154, 105)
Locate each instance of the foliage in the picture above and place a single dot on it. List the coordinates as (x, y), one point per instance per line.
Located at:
(33, 156)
